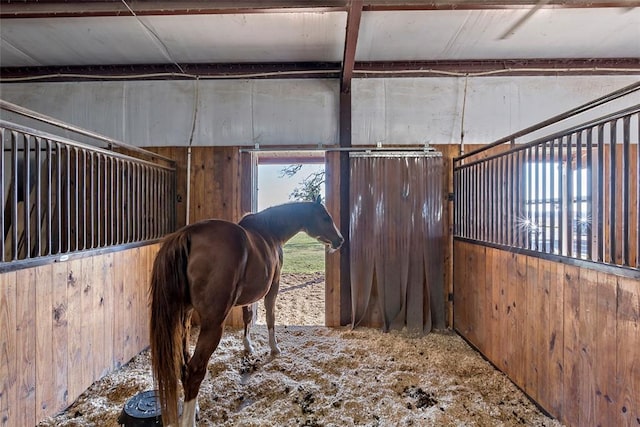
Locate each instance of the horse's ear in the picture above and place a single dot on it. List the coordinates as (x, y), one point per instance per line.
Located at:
(318, 199)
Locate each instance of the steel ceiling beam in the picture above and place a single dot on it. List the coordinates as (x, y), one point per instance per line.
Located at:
(350, 43)
(93, 8)
(513, 67)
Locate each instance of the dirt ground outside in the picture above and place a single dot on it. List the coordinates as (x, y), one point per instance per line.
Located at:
(328, 377)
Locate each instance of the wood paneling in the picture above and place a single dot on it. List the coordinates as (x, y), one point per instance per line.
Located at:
(568, 336)
(65, 325)
(332, 264)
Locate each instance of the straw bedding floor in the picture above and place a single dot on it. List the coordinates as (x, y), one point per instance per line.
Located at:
(329, 377)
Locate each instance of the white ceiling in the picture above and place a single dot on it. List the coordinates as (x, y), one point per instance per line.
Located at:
(319, 36)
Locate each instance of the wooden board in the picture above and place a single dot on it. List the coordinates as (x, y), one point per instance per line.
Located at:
(587, 346)
(627, 345)
(605, 331)
(571, 378)
(551, 274)
(45, 392)
(25, 403)
(8, 350)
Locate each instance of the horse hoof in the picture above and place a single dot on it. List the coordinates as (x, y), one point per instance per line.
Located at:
(275, 351)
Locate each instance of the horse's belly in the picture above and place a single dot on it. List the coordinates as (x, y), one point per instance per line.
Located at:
(251, 292)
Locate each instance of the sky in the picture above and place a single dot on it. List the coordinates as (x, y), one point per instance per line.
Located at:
(273, 190)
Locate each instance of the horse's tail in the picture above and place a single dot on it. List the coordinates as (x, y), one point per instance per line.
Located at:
(169, 296)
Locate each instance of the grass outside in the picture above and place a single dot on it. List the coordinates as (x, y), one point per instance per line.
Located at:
(303, 254)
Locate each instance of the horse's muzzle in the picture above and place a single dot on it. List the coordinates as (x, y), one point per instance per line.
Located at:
(336, 244)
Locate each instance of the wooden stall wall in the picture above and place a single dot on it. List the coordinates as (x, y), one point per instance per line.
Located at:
(65, 325)
(568, 336)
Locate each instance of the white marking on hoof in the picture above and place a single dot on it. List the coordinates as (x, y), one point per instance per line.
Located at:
(273, 343)
(248, 348)
(188, 418)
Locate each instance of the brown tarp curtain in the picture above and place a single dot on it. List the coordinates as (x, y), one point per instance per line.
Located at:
(396, 240)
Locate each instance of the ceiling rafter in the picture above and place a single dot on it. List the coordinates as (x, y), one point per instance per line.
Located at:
(350, 43)
(95, 8)
(520, 67)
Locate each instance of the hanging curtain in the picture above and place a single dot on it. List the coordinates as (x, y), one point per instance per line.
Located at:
(396, 240)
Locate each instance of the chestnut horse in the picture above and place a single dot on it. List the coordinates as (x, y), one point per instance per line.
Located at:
(210, 267)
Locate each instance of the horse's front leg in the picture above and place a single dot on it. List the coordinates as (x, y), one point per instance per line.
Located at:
(270, 305)
(247, 317)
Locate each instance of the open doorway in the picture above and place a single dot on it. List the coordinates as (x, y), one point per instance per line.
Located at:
(301, 298)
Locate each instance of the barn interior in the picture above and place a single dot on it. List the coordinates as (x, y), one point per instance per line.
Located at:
(515, 122)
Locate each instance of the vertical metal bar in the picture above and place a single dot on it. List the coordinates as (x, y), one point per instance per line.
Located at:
(84, 200)
(472, 213)
(100, 211)
(143, 187)
(26, 195)
(455, 208)
(510, 201)
(600, 220)
(469, 198)
(163, 196)
(76, 207)
(529, 198)
(126, 201)
(152, 198)
(14, 195)
(569, 214)
(129, 201)
(518, 186)
(613, 170)
(113, 202)
(552, 196)
(456, 202)
(579, 197)
(91, 197)
(156, 204)
(562, 175)
(471, 194)
(496, 208)
(119, 218)
(589, 195)
(58, 198)
(626, 170)
(38, 197)
(543, 168)
(50, 190)
(461, 207)
(3, 133)
(501, 201)
(536, 190)
(134, 199)
(68, 199)
(483, 195)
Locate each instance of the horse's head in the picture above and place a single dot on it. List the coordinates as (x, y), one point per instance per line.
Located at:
(320, 225)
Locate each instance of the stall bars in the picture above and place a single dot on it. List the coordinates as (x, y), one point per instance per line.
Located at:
(573, 194)
(62, 197)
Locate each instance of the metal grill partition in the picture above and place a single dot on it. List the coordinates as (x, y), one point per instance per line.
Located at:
(573, 194)
(62, 197)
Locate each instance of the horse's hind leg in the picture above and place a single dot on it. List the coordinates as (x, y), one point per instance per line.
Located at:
(197, 368)
(247, 317)
(186, 354)
(269, 305)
